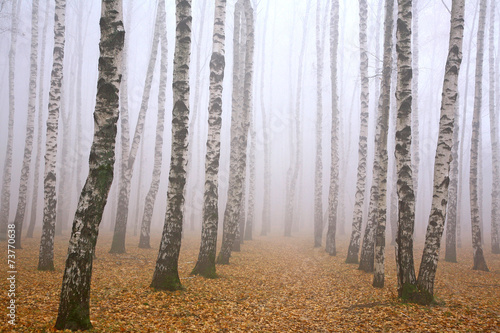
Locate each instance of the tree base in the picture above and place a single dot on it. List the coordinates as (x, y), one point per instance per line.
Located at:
(117, 249)
(412, 294)
(222, 260)
(352, 260)
(166, 281)
(479, 262)
(77, 319)
(495, 248)
(378, 282)
(49, 266)
(207, 270)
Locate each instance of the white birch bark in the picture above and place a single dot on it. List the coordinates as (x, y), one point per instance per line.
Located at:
(166, 276)
(7, 168)
(333, 195)
(495, 147)
(155, 181)
(442, 161)
(479, 261)
(238, 171)
(406, 198)
(120, 230)
(205, 265)
(352, 252)
(247, 229)
(75, 294)
(415, 144)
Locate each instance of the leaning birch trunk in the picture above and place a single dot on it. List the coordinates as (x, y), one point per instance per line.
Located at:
(352, 252)
(333, 195)
(46, 257)
(75, 294)
(479, 261)
(166, 276)
(318, 173)
(406, 198)
(451, 216)
(155, 181)
(28, 147)
(205, 266)
(495, 153)
(7, 170)
(118, 244)
(384, 106)
(442, 161)
(237, 174)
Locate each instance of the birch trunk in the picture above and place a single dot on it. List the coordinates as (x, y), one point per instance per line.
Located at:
(7, 169)
(46, 257)
(41, 81)
(75, 294)
(205, 265)
(384, 105)
(451, 218)
(495, 193)
(155, 182)
(333, 195)
(352, 252)
(118, 244)
(406, 198)
(443, 157)
(479, 261)
(415, 145)
(238, 171)
(246, 230)
(166, 276)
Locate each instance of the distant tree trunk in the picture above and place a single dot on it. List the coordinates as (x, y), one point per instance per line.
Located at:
(352, 252)
(75, 294)
(34, 201)
(205, 266)
(166, 276)
(238, 171)
(406, 198)
(138, 196)
(266, 211)
(415, 144)
(495, 192)
(155, 181)
(451, 216)
(428, 266)
(240, 229)
(46, 258)
(7, 170)
(246, 230)
(479, 261)
(118, 244)
(333, 196)
(382, 161)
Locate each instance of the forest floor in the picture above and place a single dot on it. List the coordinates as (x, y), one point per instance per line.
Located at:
(274, 284)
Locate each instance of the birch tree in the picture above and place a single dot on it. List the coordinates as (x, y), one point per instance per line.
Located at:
(166, 276)
(415, 144)
(118, 244)
(155, 181)
(237, 160)
(495, 148)
(46, 258)
(7, 169)
(333, 195)
(382, 161)
(74, 304)
(479, 261)
(352, 252)
(205, 265)
(428, 265)
(406, 198)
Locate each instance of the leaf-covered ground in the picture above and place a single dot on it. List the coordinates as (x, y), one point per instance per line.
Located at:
(274, 284)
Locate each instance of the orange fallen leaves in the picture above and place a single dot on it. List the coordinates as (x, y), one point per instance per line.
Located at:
(273, 285)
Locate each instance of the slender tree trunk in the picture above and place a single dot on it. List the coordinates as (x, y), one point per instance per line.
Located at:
(205, 265)
(479, 261)
(155, 182)
(352, 252)
(75, 294)
(7, 170)
(166, 276)
(118, 244)
(333, 196)
(384, 105)
(46, 258)
(238, 171)
(406, 198)
(451, 216)
(495, 192)
(443, 157)
(415, 144)
(246, 231)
